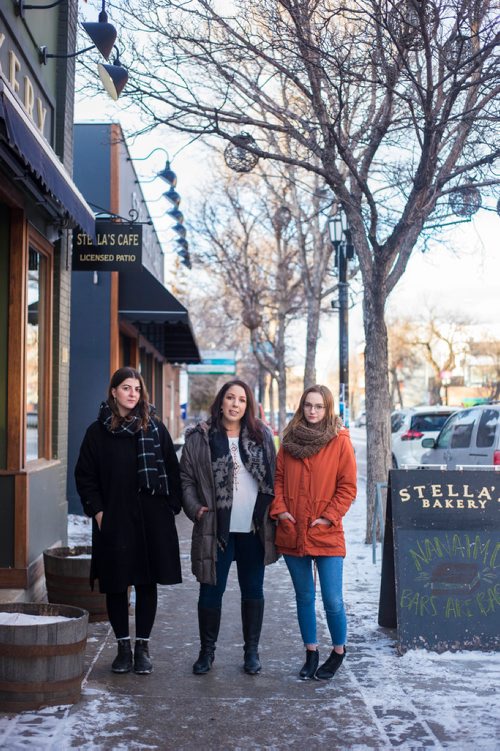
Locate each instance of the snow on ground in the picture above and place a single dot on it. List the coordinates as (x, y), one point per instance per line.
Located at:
(421, 699)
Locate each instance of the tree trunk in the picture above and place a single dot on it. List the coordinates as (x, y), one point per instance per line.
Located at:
(281, 377)
(271, 402)
(313, 314)
(378, 450)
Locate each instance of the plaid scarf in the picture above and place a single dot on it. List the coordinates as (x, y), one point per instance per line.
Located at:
(255, 460)
(151, 472)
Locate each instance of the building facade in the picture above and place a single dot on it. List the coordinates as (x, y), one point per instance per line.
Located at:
(125, 317)
(39, 204)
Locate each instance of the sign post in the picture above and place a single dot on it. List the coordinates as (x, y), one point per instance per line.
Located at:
(446, 554)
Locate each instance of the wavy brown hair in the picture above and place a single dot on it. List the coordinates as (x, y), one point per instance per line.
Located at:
(254, 426)
(330, 419)
(141, 410)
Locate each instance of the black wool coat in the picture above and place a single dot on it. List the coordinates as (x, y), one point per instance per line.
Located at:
(137, 543)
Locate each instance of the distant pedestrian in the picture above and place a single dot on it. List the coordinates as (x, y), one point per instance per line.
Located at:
(315, 485)
(227, 473)
(127, 476)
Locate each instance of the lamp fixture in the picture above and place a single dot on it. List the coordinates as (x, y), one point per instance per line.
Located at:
(102, 33)
(103, 36)
(168, 174)
(176, 214)
(113, 77)
(172, 196)
(180, 229)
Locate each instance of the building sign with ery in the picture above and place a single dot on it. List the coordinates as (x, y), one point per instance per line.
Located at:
(117, 247)
(19, 74)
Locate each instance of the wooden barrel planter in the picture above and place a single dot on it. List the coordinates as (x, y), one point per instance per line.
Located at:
(41, 664)
(67, 572)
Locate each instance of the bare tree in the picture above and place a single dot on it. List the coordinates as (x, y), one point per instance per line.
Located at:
(247, 245)
(393, 103)
(403, 355)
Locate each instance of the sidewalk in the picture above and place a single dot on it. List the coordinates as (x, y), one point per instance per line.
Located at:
(377, 700)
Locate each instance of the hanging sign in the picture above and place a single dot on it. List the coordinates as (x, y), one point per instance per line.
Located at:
(446, 549)
(117, 247)
(215, 362)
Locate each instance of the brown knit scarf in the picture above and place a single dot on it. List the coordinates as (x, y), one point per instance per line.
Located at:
(305, 439)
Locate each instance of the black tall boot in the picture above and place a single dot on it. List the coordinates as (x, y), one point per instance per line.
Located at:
(252, 613)
(209, 624)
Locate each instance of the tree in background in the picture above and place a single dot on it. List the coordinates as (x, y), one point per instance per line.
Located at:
(248, 247)
(393, 103)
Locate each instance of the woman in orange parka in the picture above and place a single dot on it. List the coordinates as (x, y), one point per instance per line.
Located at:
(315, 483)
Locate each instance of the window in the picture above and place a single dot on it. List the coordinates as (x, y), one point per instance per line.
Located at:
(446, 434)
(425, 423)
(38, 352)
(462, 432)
(487, 428)
(397, 419)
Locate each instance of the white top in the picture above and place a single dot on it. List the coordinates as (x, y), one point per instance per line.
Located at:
(245, 489)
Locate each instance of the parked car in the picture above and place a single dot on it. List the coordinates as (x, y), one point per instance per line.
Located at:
(360, 420)
(410, 426)
(470, 437)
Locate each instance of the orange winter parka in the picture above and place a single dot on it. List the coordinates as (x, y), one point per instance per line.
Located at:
(322, 485)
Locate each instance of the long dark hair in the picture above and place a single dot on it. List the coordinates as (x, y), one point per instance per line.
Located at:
(254, 426)
(330, 419)
(142, 408)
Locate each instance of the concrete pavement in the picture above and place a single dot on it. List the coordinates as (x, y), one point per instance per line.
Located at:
(377, 700)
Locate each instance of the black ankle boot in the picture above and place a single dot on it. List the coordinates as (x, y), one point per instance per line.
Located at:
(209, 624)
(330, 667)
(310, 666)
(142, 661)
(252, 613)
(123, 661)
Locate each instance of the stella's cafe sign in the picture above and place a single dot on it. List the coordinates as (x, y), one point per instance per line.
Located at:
(117, 247)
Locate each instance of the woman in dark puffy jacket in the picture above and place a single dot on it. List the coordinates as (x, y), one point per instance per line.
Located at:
(127, 476)
(227, 474)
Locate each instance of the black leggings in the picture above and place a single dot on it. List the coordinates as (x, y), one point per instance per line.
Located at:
(146, 598)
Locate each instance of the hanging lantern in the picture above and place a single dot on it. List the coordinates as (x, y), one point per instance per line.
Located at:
(404, 21)
(237, 156)
(251, 318)
(465, 201)
(281, 218)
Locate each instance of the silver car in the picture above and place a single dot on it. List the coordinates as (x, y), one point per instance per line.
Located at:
(409, 427)
(469, 438)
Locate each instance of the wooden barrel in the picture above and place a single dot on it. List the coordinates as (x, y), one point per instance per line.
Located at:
(67, 572)
(41, 665)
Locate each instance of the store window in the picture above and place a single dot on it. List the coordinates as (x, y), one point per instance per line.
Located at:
(38, 353)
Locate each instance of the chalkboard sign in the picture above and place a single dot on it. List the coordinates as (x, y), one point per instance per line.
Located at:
(446, 548)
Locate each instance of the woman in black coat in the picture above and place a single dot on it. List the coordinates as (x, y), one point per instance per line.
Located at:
(127, 476)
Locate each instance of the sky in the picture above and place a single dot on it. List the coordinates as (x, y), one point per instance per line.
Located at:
(460, 271)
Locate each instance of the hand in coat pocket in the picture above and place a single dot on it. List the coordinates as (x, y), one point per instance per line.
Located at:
(286, 532)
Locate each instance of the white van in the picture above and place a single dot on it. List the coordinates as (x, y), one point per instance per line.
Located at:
(468, 438)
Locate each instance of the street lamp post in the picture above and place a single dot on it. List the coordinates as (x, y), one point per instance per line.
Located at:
(340, 236)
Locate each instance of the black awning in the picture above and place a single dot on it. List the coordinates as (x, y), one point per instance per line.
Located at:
(158, 316)
(39, 158)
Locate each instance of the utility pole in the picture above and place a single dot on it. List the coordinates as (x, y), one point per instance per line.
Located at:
(340, 236)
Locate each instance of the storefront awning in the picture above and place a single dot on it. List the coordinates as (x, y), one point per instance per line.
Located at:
(158, 316)
(42, 162)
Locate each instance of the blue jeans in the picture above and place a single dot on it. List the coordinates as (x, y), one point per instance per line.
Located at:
(247, 550)
(330, 576)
